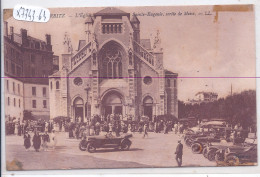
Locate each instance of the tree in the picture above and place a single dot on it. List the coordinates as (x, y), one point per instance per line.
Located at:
(236, 109)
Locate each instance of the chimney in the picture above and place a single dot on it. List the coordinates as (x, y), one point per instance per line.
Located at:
(5, 28)
(12, 32)
(24, 36)
(48, 39)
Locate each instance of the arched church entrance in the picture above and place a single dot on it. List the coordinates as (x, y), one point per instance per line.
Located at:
(112, 103)
(78, 109)
(148, 107)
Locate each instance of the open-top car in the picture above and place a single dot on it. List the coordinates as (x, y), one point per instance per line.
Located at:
(239, 153)
(91, 143)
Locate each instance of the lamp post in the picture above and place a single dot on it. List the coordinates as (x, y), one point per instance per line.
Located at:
(87, 91)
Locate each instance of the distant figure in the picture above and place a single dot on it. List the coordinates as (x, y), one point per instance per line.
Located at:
(53, 139)
(179, 151)
(145, 130)
(16, 129)
(27, 140)
(176, 128)
(45, 140)
(36, 141)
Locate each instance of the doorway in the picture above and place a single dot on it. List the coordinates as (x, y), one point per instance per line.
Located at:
(112, 103)
(148, 107)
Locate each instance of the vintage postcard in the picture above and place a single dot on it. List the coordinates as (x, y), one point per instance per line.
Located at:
(129, 87)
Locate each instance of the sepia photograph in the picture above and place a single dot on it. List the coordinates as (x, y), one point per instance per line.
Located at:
(129, 87)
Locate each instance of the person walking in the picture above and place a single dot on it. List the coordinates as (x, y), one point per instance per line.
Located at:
(27, 140)
(16, 129)
(176, 128)
(179, 152)
(45, 140)
(53, 139)
(145, 130)
(36, 141)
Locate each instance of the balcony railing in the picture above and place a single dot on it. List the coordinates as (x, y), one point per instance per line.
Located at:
(81, 55)
(142, 52)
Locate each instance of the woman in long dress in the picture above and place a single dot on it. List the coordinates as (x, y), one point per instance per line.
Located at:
(53, 139)
(27, 141)
(36, 141)
(16, 129)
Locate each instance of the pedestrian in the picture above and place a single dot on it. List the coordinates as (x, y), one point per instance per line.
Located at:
(45, 140)
(176, 128)
(145, 130)
(27, 141)
(53, 139)
(46, 126)
(16, 129)
(110, 127)
(19, 130)
(36, 141)
(179, 152)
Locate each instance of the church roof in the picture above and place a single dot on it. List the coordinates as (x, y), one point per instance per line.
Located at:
(56, 74)
(111, 11)
(167, 72)
(146, 43)
(135, 19)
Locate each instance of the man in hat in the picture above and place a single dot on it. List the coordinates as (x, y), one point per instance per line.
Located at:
(179, 152)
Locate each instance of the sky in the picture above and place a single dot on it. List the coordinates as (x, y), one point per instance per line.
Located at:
(194, 46)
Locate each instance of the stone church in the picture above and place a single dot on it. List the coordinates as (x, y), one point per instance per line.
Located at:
(113, 71)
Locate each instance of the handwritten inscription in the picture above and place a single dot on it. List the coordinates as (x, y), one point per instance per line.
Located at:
(30, 13)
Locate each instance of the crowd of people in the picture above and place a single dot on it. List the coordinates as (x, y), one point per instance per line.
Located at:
(115, 123)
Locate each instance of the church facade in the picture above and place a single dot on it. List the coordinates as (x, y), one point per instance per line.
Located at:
(113, 72)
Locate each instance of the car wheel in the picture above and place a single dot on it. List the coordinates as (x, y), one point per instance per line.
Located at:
(211, 154)
(196, 148)
(91, 148)
(219, 157)
(232, 160)
(125, 145)
(82, 147)
(205, 152)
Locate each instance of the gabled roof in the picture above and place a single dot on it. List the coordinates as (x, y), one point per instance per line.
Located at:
(111, 11)
(56, 74)
(167, 72)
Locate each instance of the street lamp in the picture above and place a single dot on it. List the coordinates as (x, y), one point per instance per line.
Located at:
(87, 90)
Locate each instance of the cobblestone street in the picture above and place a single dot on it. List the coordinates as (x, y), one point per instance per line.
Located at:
(155, 151)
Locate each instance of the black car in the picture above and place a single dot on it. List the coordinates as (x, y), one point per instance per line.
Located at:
(91, 143)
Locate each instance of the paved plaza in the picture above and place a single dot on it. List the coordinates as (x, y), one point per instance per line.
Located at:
(155, 151)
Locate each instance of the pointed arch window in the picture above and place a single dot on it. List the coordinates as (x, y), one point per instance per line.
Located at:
(112, 63)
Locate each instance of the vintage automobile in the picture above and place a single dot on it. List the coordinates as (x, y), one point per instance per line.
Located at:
(200, 143)
(211, 149)
(91, 143)
(238, 153)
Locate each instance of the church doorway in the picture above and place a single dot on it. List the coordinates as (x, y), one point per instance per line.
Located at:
(148, 107)
(78, 109)
(112, 103)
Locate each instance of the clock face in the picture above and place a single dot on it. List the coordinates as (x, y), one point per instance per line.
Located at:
(78, 81)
